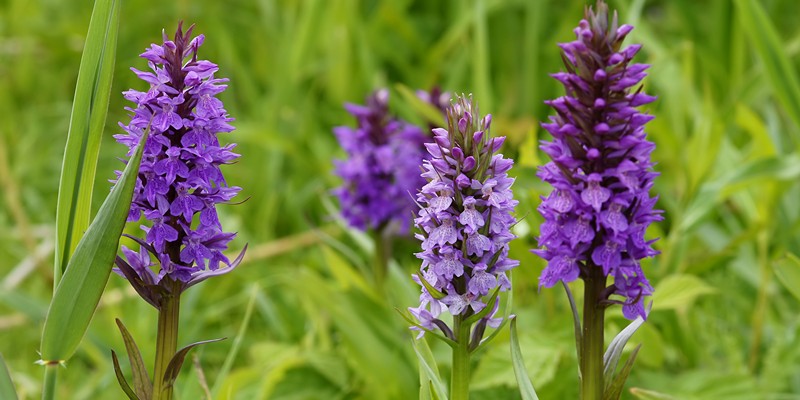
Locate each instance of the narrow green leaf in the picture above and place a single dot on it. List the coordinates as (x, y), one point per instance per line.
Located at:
(175, 364)
(237, 341)
(425, 386)
(785, 168)
(525, 386)
(788, 271)
(576, 321)
(141, 380)
(506, 317)
(614, 390)
(614, 351)
(439, 336)
(680, 291)
(777, 65)
(774, 168)
(123, 384)
(435, 293)
(644, 394)
(421, 107)
(78, 293)
(89, 110)
(7, 390)
(485, 311)
(428, 365)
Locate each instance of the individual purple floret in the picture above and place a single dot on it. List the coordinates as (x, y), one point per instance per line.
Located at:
(465, 220)
(601, 173)
(382, 167)
(179, 182)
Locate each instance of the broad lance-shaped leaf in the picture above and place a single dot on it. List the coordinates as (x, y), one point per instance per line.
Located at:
(6, 384)
(523, 379)
(141, 381)
(80, 289)
(176, 362)
(614, 352)
(87, 122)
(121, 379)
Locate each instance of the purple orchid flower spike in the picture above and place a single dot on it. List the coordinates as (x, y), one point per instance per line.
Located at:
(465, 225)
(600, 206)
(465, 220)
(180, 182)
(381, 169)
(601, 172)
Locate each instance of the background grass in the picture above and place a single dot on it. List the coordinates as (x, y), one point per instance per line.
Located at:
(301, 317)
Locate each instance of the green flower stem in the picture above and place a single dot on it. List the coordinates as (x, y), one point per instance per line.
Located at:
(459, 379)
(50, 375)
(592, 347)
(383, 251)
(166, 343)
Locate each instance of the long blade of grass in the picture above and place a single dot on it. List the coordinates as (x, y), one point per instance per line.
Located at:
(227, 365)
(80, 289)
(780, 73)
(89, 110)
(523, 379)
(7, 390)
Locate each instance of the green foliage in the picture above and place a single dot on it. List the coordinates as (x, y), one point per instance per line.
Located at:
(86, 129)
(724, 321)
(613, 381)
(523, 381)
(7, 390)
(431, 385)
(788, 271)
(142, 384)
(78, 293)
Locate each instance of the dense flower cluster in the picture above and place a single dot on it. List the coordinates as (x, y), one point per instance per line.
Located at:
(601, 173)
(381, 171)
(179, 182)
(465, 220)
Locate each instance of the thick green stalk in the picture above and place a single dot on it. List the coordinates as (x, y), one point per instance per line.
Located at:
(166, 343)
(50, 375)
(592, 347)
(459, 379)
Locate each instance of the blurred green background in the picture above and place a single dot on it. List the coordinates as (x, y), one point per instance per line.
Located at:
(302, 319)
